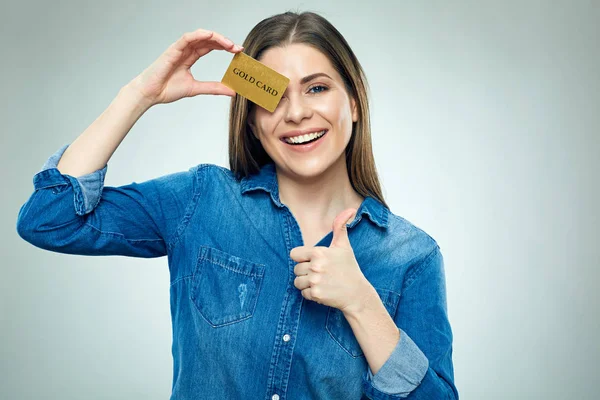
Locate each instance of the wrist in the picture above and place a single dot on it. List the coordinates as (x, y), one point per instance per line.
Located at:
(131, 94)
(365, 300)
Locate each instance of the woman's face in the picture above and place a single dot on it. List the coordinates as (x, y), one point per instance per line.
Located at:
(310, 103)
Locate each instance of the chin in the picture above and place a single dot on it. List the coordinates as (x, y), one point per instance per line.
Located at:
(308, 168)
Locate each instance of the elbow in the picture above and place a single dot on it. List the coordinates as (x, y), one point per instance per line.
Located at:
(24, 229)
(28, 230)
(44, 221)
(38, 234)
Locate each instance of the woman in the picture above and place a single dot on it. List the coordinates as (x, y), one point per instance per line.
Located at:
(290, 276)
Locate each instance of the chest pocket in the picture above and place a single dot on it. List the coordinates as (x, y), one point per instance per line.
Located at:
(340, 330)
(225, 287)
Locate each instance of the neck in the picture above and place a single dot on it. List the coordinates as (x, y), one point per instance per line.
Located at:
(319, 199)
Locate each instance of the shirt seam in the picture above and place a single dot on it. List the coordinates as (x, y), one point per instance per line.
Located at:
(180, 279)
(190, 208)
(117, 234)
(424, 264)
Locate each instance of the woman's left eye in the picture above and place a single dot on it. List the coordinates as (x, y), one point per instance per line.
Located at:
(319, 86)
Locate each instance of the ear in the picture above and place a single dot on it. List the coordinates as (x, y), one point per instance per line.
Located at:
(354, 110)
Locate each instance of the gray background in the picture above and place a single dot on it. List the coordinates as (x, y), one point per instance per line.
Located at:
(485, 133)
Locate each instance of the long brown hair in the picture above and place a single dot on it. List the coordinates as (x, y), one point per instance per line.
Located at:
(246, 153)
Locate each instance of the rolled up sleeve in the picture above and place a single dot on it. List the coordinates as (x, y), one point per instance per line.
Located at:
(80, 215)
(87, 189)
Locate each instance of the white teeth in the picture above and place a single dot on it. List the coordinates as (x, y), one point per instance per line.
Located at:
(304, 138)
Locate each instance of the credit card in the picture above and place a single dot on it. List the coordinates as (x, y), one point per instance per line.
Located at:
(255, 81)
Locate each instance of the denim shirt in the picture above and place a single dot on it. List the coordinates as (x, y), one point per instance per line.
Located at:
(241, 329)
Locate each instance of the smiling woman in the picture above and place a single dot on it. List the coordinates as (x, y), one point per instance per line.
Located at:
(308, 286)
(304, 110)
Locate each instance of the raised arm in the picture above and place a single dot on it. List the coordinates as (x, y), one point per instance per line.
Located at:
(71, 211)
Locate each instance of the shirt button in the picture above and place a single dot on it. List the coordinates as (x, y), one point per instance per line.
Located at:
(286, 338)
(275, 397)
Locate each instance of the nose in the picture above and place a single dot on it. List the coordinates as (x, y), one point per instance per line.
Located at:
(296, 108)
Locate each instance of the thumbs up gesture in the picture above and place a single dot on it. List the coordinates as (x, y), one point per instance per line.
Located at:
(331, 275)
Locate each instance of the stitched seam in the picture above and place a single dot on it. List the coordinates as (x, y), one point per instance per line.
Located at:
(180, 279)
(101, 188)
(212, 260)
(50, 185)
(226, 172)
(423, 267)
(120, 235)
(190, 208)
(389, 291)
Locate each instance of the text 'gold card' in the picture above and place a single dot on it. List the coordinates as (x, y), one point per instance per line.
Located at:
(255, 81)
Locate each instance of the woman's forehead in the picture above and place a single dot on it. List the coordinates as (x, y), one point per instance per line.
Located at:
(297, 61)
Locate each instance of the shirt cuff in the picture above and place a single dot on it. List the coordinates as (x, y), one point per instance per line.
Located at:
(401, 374)
(87, 188)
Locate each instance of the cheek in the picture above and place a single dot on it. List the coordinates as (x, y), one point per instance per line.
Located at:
(263, 124)
(336, 110)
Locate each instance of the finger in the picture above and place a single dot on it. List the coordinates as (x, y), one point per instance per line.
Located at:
(217, 45)
(227, 43)
(199, 49)
(301, 253)
(216, 88)
(202, 37)
(195, 54)
(301, 282)
(192, 37)
(306, 293)
(302, 268)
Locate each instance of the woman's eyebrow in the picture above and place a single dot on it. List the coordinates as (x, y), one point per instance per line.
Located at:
(310, 77)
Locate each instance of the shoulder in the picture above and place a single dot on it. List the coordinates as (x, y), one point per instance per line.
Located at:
(412, 244)
(212, 172)
(209, 168)
(406, 231)
(214, 178)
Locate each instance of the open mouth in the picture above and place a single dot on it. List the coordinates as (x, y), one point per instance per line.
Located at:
(307, 142)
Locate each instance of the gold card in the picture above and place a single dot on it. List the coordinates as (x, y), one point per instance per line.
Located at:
(255, 81)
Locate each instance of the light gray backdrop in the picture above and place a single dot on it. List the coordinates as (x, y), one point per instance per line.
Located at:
(485, 132)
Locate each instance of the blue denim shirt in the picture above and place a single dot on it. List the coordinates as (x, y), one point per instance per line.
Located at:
(241, 329)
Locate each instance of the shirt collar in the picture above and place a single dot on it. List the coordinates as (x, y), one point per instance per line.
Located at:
(266, 179)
